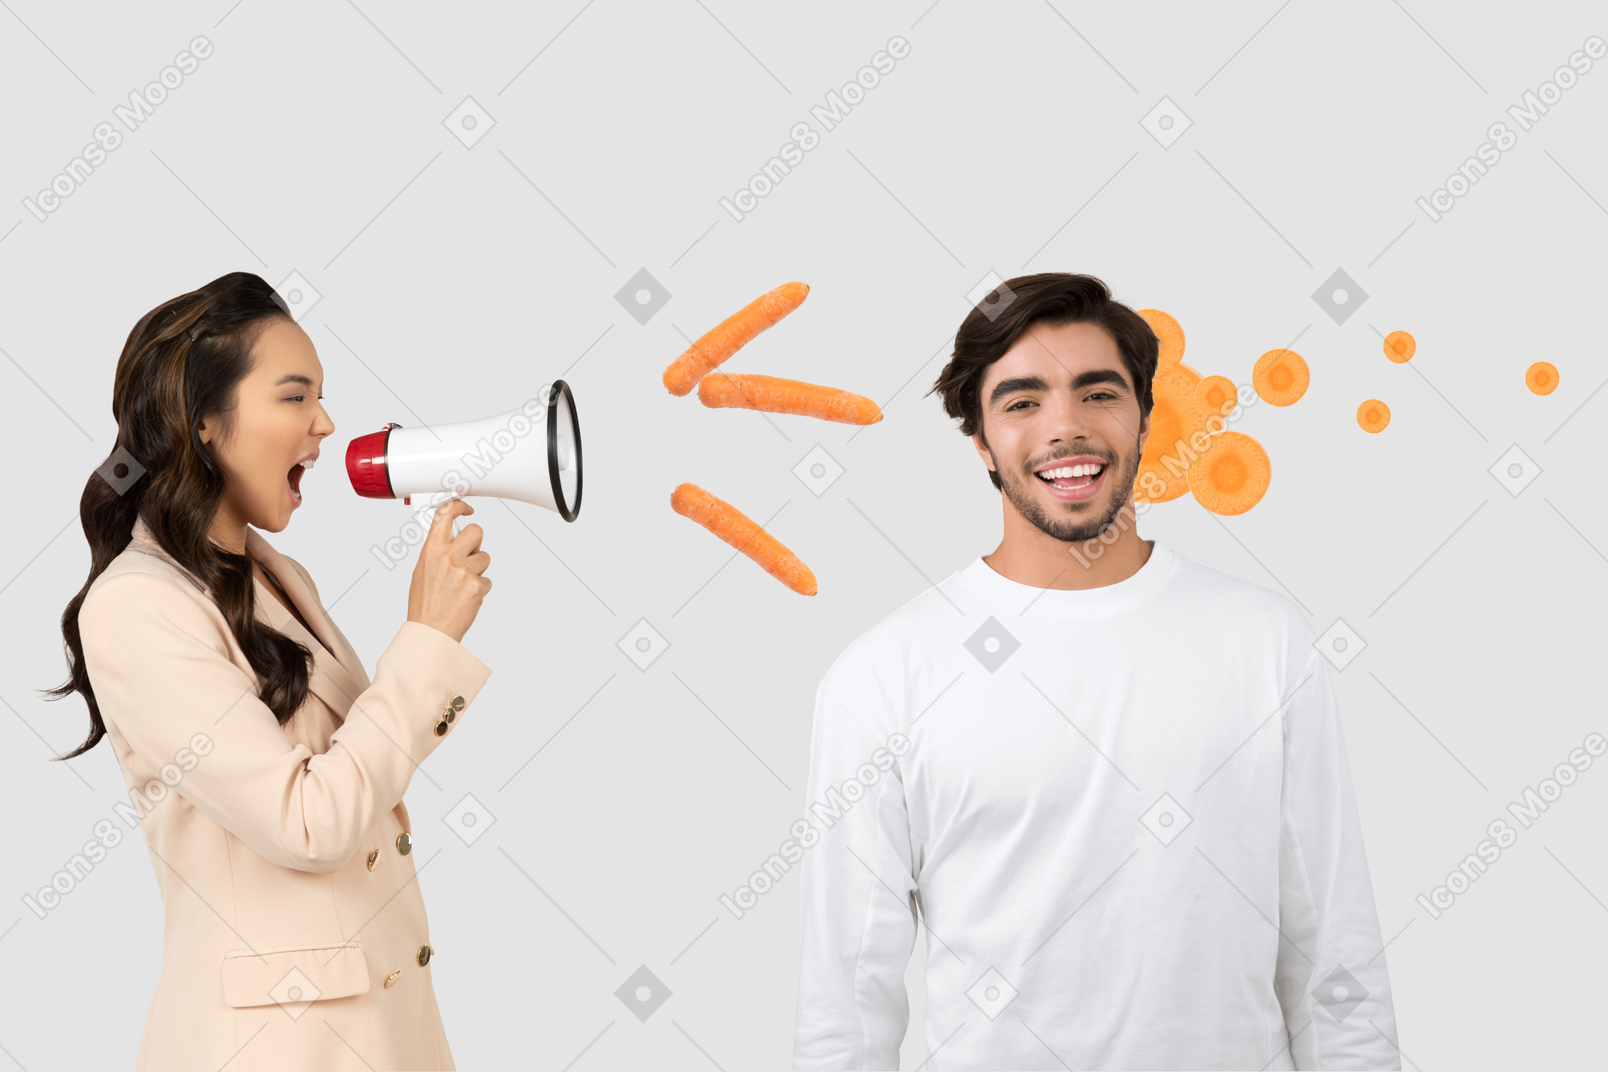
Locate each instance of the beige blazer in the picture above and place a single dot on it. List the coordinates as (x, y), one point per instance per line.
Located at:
(294, 932)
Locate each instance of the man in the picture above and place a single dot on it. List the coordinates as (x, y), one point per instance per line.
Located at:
(1110, 779)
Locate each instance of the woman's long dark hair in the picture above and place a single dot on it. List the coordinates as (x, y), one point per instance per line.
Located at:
(183, 362)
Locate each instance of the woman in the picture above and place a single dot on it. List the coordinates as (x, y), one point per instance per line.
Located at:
(266, 767)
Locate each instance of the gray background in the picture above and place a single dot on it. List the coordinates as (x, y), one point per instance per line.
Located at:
(454, 280)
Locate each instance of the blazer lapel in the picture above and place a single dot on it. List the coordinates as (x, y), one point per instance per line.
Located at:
(332, 677)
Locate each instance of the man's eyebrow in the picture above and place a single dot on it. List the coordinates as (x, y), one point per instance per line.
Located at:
(1019, 383)
(1035, 383)
(294, 377)
(1102, 375)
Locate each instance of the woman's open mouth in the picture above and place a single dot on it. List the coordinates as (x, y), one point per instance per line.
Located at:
(1073, 482)
(293, 481)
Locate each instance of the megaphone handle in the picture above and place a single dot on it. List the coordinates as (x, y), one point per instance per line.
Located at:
(455, 520)
(407, 500)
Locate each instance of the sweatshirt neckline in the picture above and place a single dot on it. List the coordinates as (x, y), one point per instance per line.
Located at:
(1056, 603)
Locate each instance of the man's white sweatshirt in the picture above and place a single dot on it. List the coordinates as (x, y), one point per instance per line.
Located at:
(1126, 817)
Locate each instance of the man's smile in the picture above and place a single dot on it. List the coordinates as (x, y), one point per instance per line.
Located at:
(1073, 479)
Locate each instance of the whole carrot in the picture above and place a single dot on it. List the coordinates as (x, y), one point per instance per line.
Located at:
(775, 395)
(730, 335)
(737, 529)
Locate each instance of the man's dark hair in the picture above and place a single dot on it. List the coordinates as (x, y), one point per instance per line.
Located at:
(1052, 299)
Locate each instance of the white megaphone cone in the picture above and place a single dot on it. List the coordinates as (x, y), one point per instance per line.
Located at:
(532, 454)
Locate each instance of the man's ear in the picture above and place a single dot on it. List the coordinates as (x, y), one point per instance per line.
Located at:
(983, 451)
(1144, 430)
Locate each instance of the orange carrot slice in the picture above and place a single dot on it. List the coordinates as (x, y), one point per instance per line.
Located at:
(1541, 378)
(1281, 377)
(1216, 396)
(720, 390)
(1400, 346)
(1173, 417)
(1171, 334)
(1232, 476)
(737, 529)
(1373, 415)
(730, 335)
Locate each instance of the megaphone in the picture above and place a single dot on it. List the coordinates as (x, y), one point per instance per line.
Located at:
(532, 453)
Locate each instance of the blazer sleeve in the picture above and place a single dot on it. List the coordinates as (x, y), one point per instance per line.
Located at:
(161, 671)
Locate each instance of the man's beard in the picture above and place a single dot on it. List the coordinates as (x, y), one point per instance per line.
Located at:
(1074, 529)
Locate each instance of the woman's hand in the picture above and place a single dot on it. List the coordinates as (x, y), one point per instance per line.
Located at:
(447, 584)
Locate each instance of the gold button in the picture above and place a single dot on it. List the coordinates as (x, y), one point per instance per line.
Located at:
(425, 953)
(448, 713)
(404, 843)
(374, 859)
(441, 729)
(457, 703)
(390, 980)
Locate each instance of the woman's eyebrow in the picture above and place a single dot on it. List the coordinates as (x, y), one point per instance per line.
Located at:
(294, 377)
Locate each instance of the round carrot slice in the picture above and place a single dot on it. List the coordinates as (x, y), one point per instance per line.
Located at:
(1216, 396)
(1232, 475)
(1541, 378)
(1280, 377)
(1373, 415)
(1171, 335)
(1174, 416)
(1400, 346)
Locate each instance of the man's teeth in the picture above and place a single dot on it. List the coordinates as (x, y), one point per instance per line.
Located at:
(1087, 469)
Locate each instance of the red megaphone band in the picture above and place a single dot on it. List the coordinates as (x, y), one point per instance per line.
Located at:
(365, 464)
